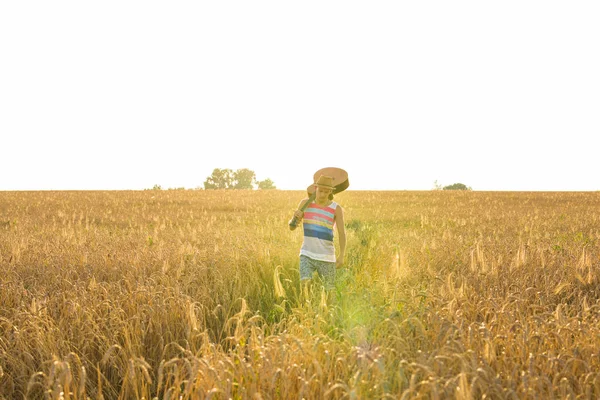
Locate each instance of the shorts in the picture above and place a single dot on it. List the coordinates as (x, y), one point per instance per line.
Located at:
(325, 269)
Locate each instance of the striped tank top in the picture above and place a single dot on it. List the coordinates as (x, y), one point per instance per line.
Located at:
(318, 226)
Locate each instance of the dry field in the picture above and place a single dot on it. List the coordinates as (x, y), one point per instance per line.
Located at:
(195, 294)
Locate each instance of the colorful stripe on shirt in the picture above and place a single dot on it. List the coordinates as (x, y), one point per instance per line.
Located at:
(318, 222)
(318, 232)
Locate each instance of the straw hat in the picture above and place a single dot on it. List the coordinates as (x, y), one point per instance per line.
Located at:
(325, 182)
(335, 178)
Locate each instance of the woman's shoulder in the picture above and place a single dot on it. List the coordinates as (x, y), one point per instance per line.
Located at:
(337, 208)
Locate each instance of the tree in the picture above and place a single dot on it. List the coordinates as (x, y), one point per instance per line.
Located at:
(457, 186)
(220, 179)
(266, 184)
(244, 179)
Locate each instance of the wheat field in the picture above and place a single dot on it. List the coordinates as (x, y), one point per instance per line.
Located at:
(195, 294)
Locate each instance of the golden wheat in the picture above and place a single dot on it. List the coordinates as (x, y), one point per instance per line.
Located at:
(196, 294)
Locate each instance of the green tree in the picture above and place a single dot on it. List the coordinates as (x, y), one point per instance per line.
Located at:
(220, 179)
(244, 179)
(457, 186)
(266, 184)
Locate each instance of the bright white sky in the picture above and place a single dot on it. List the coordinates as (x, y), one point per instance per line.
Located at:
(123, 94)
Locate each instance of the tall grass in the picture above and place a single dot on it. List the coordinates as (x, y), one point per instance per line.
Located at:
(195, 294)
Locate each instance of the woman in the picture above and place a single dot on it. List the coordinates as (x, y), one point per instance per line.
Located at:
(319, 219)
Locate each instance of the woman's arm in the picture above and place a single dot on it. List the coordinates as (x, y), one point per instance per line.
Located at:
(341, 228)
(299, 214)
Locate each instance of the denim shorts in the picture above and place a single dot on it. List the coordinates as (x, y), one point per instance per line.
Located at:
(325, 269)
